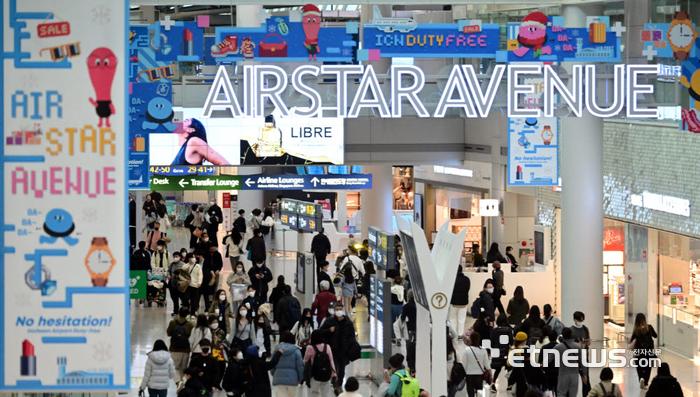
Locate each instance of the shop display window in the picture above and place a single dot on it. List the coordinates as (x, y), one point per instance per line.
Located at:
(403, 188)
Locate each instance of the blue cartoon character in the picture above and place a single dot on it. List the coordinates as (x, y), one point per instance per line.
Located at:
(159, 112)
(524, 142)
(58, 224)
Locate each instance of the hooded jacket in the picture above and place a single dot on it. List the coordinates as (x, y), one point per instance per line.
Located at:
(289, 370)
(664, 386)
(159, 370)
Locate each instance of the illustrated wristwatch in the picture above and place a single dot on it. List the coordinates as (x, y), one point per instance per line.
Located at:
(99, 261)
(681, 35)
(547, 135)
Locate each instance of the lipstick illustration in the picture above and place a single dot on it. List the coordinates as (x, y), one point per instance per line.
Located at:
(519, 173)
(187, 43)
(28, 359)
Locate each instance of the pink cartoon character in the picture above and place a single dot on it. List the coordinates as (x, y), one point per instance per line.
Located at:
(311, 22)
(533, 34)
(102, 65)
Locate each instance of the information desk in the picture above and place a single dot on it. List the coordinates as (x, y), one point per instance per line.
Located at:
(680, 325)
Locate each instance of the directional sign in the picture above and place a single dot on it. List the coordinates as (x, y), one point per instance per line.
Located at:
(307, 182)
(182, 170)
(196, 182)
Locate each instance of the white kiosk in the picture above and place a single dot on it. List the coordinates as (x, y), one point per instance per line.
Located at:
(432, 277)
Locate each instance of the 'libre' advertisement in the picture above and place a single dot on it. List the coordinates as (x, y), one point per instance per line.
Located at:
(64, 283)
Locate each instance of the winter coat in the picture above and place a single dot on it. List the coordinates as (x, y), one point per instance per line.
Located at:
(275, 296)
(160, 368)
(460, 293)
(664, 386)
(341, 339)
(321, 245)
(140, 260)
(284, 307)
(320, 305)
(486, 301)
(289, 370)
(323, 276)
(193, 388)
(517, 311)
(261, 285)
(224, 314)
(160, 260)
(496, 334)
(210, 367)
(256, 246)
(235, 278)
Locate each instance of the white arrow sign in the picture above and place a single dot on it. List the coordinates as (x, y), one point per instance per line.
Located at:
(182, 183)
(249, 181)
(315, 181)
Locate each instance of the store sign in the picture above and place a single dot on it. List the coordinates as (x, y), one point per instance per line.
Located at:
(659, 202)
(439, 169)
(462, 91)
(64, 315)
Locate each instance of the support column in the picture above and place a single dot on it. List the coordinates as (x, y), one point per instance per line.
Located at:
(582, 207)
(341, 209)
(139, 198)
(250, 199)
(376, 202)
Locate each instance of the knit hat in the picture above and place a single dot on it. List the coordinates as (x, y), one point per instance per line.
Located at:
(536, 19)
(520, 337)
(311, 9)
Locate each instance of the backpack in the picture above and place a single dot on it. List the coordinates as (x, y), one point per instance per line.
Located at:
(321, 369)
(178, 338)
(293, 311)
(246, 378)
(476, 308)
(610, 393)
(409, 385)
(534, 335)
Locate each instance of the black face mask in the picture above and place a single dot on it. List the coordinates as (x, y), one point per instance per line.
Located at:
(205, 350)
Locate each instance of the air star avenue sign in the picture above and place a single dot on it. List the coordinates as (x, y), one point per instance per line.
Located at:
(463, 90)
(262, 182)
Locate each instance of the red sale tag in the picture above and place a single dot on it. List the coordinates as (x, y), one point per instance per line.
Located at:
(471, 29)
(53, 29)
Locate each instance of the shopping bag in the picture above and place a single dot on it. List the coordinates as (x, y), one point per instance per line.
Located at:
(238, 292)
(272, 50)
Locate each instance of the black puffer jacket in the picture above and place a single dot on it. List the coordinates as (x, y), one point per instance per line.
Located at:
(341, 339)
(460, 293)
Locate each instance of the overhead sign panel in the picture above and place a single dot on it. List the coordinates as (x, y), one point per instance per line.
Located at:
(196, 182)
(307, 182)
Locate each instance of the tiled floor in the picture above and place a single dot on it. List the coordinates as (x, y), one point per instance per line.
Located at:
(149, 323)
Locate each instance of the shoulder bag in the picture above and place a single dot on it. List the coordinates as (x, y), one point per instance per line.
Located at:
(486, 374)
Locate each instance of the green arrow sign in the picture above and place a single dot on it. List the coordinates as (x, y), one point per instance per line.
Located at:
(196, 182)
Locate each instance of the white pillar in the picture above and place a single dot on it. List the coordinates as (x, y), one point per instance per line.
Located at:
(376, 202)
(139, 197)
(249, 200)
(582, 207)
(248, 16)
(341, 209)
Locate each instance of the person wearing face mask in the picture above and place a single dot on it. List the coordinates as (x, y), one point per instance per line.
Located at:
(260, 276)
(203, 243)
(242, 333)
(251, 301)
(234, 373)
(238, 282)
(200, 332)
(234, 247)
(339, 334)
(582, 336)
(215, 217)
(256, 247)
(261, 337)
(195, 271)
(211, 267)
(324, 275)
(303, 328)
(288, 310)
(175, 294)
(288, 374)
(154, 236)
(208, 366)
(322, 301)
(486, 299)
(221, 309)
(161, 257)
(192, 386)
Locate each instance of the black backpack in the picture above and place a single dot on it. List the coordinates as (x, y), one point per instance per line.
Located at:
(534, 335)
(293, 311)
(321, 369)
(179, 339)
(246, 378)
(610, 393)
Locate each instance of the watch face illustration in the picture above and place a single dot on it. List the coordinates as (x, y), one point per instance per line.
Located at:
(99, 261)
(681, 35)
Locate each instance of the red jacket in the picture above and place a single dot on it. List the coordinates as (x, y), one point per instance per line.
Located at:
(320, 305)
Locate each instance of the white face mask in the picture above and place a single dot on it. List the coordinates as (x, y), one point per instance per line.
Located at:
(193, 260)
(239, 356)
(215, 326)
(259, 264)
(578, 324)
(160, 248)
(176, 259)
(340, 313)
(222, 297)
(251, 294)
(205, 239)
(239, 270)
(213, 202)
(243, 313)
(490, 290)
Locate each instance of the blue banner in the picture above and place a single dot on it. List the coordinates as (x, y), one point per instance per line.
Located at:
(306, 182)
(432, 40)
(280, 39)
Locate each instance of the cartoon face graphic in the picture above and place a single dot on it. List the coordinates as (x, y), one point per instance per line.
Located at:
(160, 109)
(532, 32)
(59, 223)
(102, 65)
(311, 25)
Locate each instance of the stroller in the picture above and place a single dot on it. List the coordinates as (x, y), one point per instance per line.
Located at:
(155, 290)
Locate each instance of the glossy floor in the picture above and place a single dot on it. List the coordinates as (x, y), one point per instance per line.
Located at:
(149, 323)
